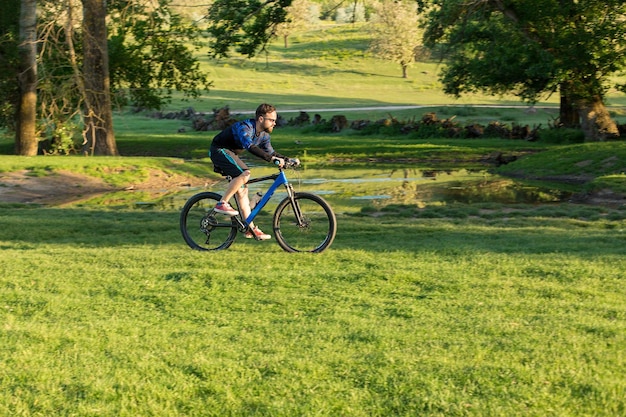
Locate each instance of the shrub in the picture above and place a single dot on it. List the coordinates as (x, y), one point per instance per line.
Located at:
(562, 136)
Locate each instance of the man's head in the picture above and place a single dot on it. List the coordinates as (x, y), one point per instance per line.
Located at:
(266, 117)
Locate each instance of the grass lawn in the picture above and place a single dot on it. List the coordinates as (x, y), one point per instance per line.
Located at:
(107, 313)
(446, 311)
(449, 310)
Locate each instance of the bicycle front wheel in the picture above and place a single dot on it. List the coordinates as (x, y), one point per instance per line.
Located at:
(202, 228)
(306, 225)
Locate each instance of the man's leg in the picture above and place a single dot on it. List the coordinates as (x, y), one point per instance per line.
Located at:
(236, 184)
(243, 201)
(233, 187)
(244, 207)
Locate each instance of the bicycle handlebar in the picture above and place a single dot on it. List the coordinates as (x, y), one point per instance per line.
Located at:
(288, 163)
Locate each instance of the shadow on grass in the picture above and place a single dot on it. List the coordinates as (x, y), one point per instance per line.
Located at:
(467, 237)
(23, 227)
(83, 227)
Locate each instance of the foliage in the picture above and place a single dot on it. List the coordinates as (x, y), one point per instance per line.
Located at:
(562, 136)
(151, 54)
(150, 58)
(65, 138)
(9, 61)
(353, 13)
(529, 47)
(246, 25)
(299, 17)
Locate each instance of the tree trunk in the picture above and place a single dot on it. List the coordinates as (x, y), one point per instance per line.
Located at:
(405, 70)
(286, 40)
(26, 133)
(99, 136)
(596, 122)
(568, 113)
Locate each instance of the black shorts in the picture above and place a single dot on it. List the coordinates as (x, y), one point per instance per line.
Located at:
(227, 162)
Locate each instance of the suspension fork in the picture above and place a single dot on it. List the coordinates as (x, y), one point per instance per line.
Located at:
(291, 195)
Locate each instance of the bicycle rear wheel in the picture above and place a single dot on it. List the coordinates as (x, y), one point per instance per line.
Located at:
(310, 226)
(202, 228)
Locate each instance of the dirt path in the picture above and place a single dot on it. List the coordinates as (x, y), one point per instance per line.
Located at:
(54, 189)
(65, 187)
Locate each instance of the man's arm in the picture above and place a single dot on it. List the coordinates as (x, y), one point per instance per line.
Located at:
(256, 151)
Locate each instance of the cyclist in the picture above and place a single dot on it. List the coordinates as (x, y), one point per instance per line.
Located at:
(252, 135)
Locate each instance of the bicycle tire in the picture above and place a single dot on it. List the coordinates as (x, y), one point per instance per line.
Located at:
(202, 228)
(319, 230)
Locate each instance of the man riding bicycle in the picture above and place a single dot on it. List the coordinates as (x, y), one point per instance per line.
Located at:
(252, 135)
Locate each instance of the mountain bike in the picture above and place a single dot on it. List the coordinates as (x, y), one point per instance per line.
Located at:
(303, 222)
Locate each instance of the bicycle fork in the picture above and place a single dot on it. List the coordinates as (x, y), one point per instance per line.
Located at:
(296, 207)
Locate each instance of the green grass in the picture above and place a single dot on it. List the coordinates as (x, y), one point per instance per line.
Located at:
(600, 165)
(107, 313)
(440, 310)
(116, 171)
(329, 67)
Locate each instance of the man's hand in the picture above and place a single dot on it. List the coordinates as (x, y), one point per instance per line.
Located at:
(279, 162)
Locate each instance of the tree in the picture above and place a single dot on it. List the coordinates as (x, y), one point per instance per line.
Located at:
(9, 64)
(99, 136)
(150, 54)
(247, 25)
(26, 135)
(298, 18)
(534, 47)
(395, 32)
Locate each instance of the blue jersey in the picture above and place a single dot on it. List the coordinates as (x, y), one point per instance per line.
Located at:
(243, 135)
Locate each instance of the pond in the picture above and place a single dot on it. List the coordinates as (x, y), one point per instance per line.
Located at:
(446, 186)
(379, 187)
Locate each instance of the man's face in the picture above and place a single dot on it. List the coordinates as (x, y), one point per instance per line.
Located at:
(268, 121)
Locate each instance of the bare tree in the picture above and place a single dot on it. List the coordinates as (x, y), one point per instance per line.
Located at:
(99, 136)
(26, 136)
(395, 32)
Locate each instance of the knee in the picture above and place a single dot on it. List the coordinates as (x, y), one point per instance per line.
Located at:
(242, 178)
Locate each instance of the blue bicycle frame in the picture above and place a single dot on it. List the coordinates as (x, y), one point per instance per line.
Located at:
(279, 179)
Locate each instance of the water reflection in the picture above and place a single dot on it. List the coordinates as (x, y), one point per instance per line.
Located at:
(413, 186)
(488, 190)
(378, 186)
